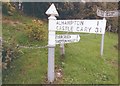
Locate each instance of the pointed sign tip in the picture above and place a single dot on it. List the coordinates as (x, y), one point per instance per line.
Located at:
(52, 10)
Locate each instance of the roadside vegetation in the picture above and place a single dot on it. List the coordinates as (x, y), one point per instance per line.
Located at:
(82, 63)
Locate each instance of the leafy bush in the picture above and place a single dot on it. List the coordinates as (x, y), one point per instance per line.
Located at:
(9, 52)
(36, 31)
(8, 8)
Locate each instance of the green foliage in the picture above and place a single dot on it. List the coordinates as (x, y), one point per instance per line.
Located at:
(29, 66)
(66, 10)
(82, 63)
(36, 31)
(8, 8)
(9, 52)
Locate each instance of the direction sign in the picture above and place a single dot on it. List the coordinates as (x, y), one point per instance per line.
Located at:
(65, 38)
(86, 26)
(102, 13)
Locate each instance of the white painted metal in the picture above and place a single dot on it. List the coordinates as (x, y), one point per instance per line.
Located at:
(51, 74)
(51, 41)
(62, 49)
(66, 38)
(86, 26)
(52, 10)
(102, 13)
(102, 45)
(102, 42)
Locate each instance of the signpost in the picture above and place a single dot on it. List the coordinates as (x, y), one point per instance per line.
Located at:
(51, 41)
(65, 38)
(62, 49)
(86, 26)
(102, 13)
(102, 43)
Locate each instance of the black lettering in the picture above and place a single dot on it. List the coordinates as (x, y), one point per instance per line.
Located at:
(68, 40)
(66, 28)
(97, 23)
(81, 29)
(69, 36)
(112, 13)
(107, 13)
(70, 22)
(82, 22)
(97, 30)
(77, 28)
(89, 29)
(57, 28)
(65, 36)
(62, 23)
(71, 29)
(65, 40)
(65, 23)
(58, 23)
(79, 22)
(61, 36)
(102, 13)
(85, 29)
(100, 29)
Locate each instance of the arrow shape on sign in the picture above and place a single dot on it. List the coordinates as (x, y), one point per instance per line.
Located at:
(67, 38)
(52, 11)
(102, 13)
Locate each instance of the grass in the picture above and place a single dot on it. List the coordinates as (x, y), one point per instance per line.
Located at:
(82, 63)
(30, 68)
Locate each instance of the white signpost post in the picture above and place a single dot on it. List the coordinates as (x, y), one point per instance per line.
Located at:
(102, 43)
(51, 41)
(62, 49)
(85, 26)
(104, 14)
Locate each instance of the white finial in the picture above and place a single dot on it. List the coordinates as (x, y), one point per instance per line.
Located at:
(52, 11)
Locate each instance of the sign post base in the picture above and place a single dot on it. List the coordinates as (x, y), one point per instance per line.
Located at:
(51, 64)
